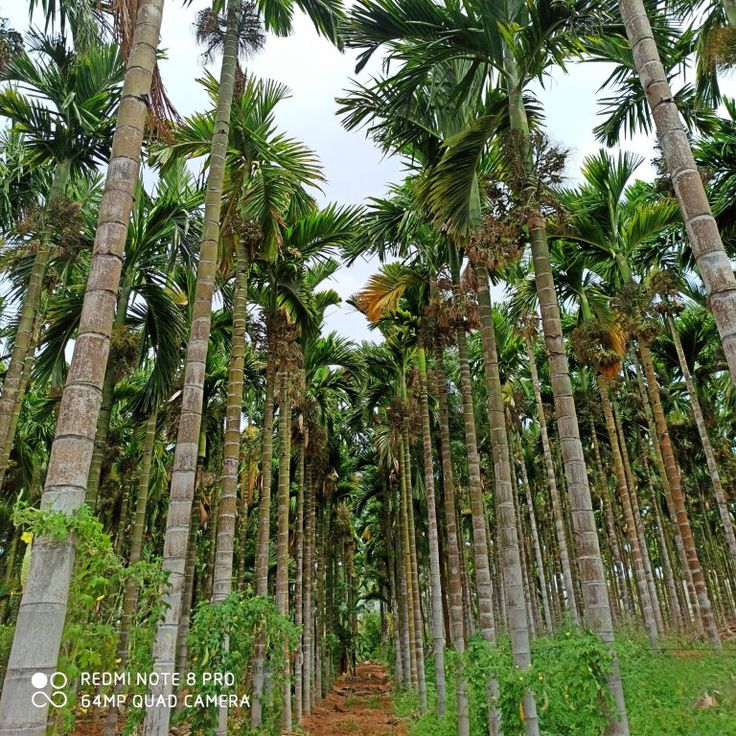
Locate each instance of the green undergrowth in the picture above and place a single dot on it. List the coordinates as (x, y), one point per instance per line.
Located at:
(687, 690)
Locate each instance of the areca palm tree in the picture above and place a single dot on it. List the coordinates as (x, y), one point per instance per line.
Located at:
(377, 298)
(614, 219)
(276, 16)
(62, 103)
(395, 226)
(264, 182)
(161, 233)
(712, 261)
(510, 44)
(333, 371)
(672, 307)
(45, 596)
(285, 286)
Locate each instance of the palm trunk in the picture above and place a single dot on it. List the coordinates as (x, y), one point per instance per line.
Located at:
(13, 385)
(710, 458)
(263, 539)
(617, 562)
(549, 465)
(299, 583)
(387, 534)
(510, 554)
(672, 512)
(593, 576)
(189, 572)
(398, 656)
(108, 396)
(673, 477)
(631, 535)
(455, 586)
(185, 455)
(319, 619)
(246, 500)
(18, 408)
(713, 263)
(532, 604)
(482, 567)
(407, 589)
(438, 628)
(414, 568)
(43, 606)
(130, 597)
(673, 601)
(634, 496)
(227, 508)
(308, 697)
(282, 535)
(536, 544)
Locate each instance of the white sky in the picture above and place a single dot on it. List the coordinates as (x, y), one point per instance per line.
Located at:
(316, 73)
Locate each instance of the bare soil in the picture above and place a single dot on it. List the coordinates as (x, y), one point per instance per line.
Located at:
(359, 705)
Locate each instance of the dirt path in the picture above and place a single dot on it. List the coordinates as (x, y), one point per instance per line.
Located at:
(357, 706)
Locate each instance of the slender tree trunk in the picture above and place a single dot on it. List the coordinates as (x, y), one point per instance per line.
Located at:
(713, 263)
(535, 541)
(549, 465)
(532, 604)
(672, 512)
(593, 577)
(482, 567)
(510, 553)
(438, 628)
(43, 605)
(407, 589)
(710, 458)
(13, 388)
(299, 582)
(185, 454)
(320, 608)
(18, 407)
(634, 495)
(455, 586)
(263, 540)
(387, 529)
(308, 697)
(415, 592)
(282, 536)
(398, 656)
(189, 574)
(227, 508)
(673, 601)
(405, 635)
(108, 397)
(673, 477)
(631, 535)
(619, 557)
(246, 500)
(130, 597)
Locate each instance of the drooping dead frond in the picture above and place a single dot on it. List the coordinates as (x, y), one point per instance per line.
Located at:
(211, 28)
(161, 111)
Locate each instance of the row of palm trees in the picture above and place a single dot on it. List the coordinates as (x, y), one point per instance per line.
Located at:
(191, 311)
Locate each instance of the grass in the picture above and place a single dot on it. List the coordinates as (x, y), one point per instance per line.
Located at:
(661, 690)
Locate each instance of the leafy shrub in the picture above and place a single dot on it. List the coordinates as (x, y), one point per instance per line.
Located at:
(222, 638)
(99, 579)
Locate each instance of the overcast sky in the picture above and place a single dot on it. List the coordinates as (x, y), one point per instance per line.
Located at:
(316, 73)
